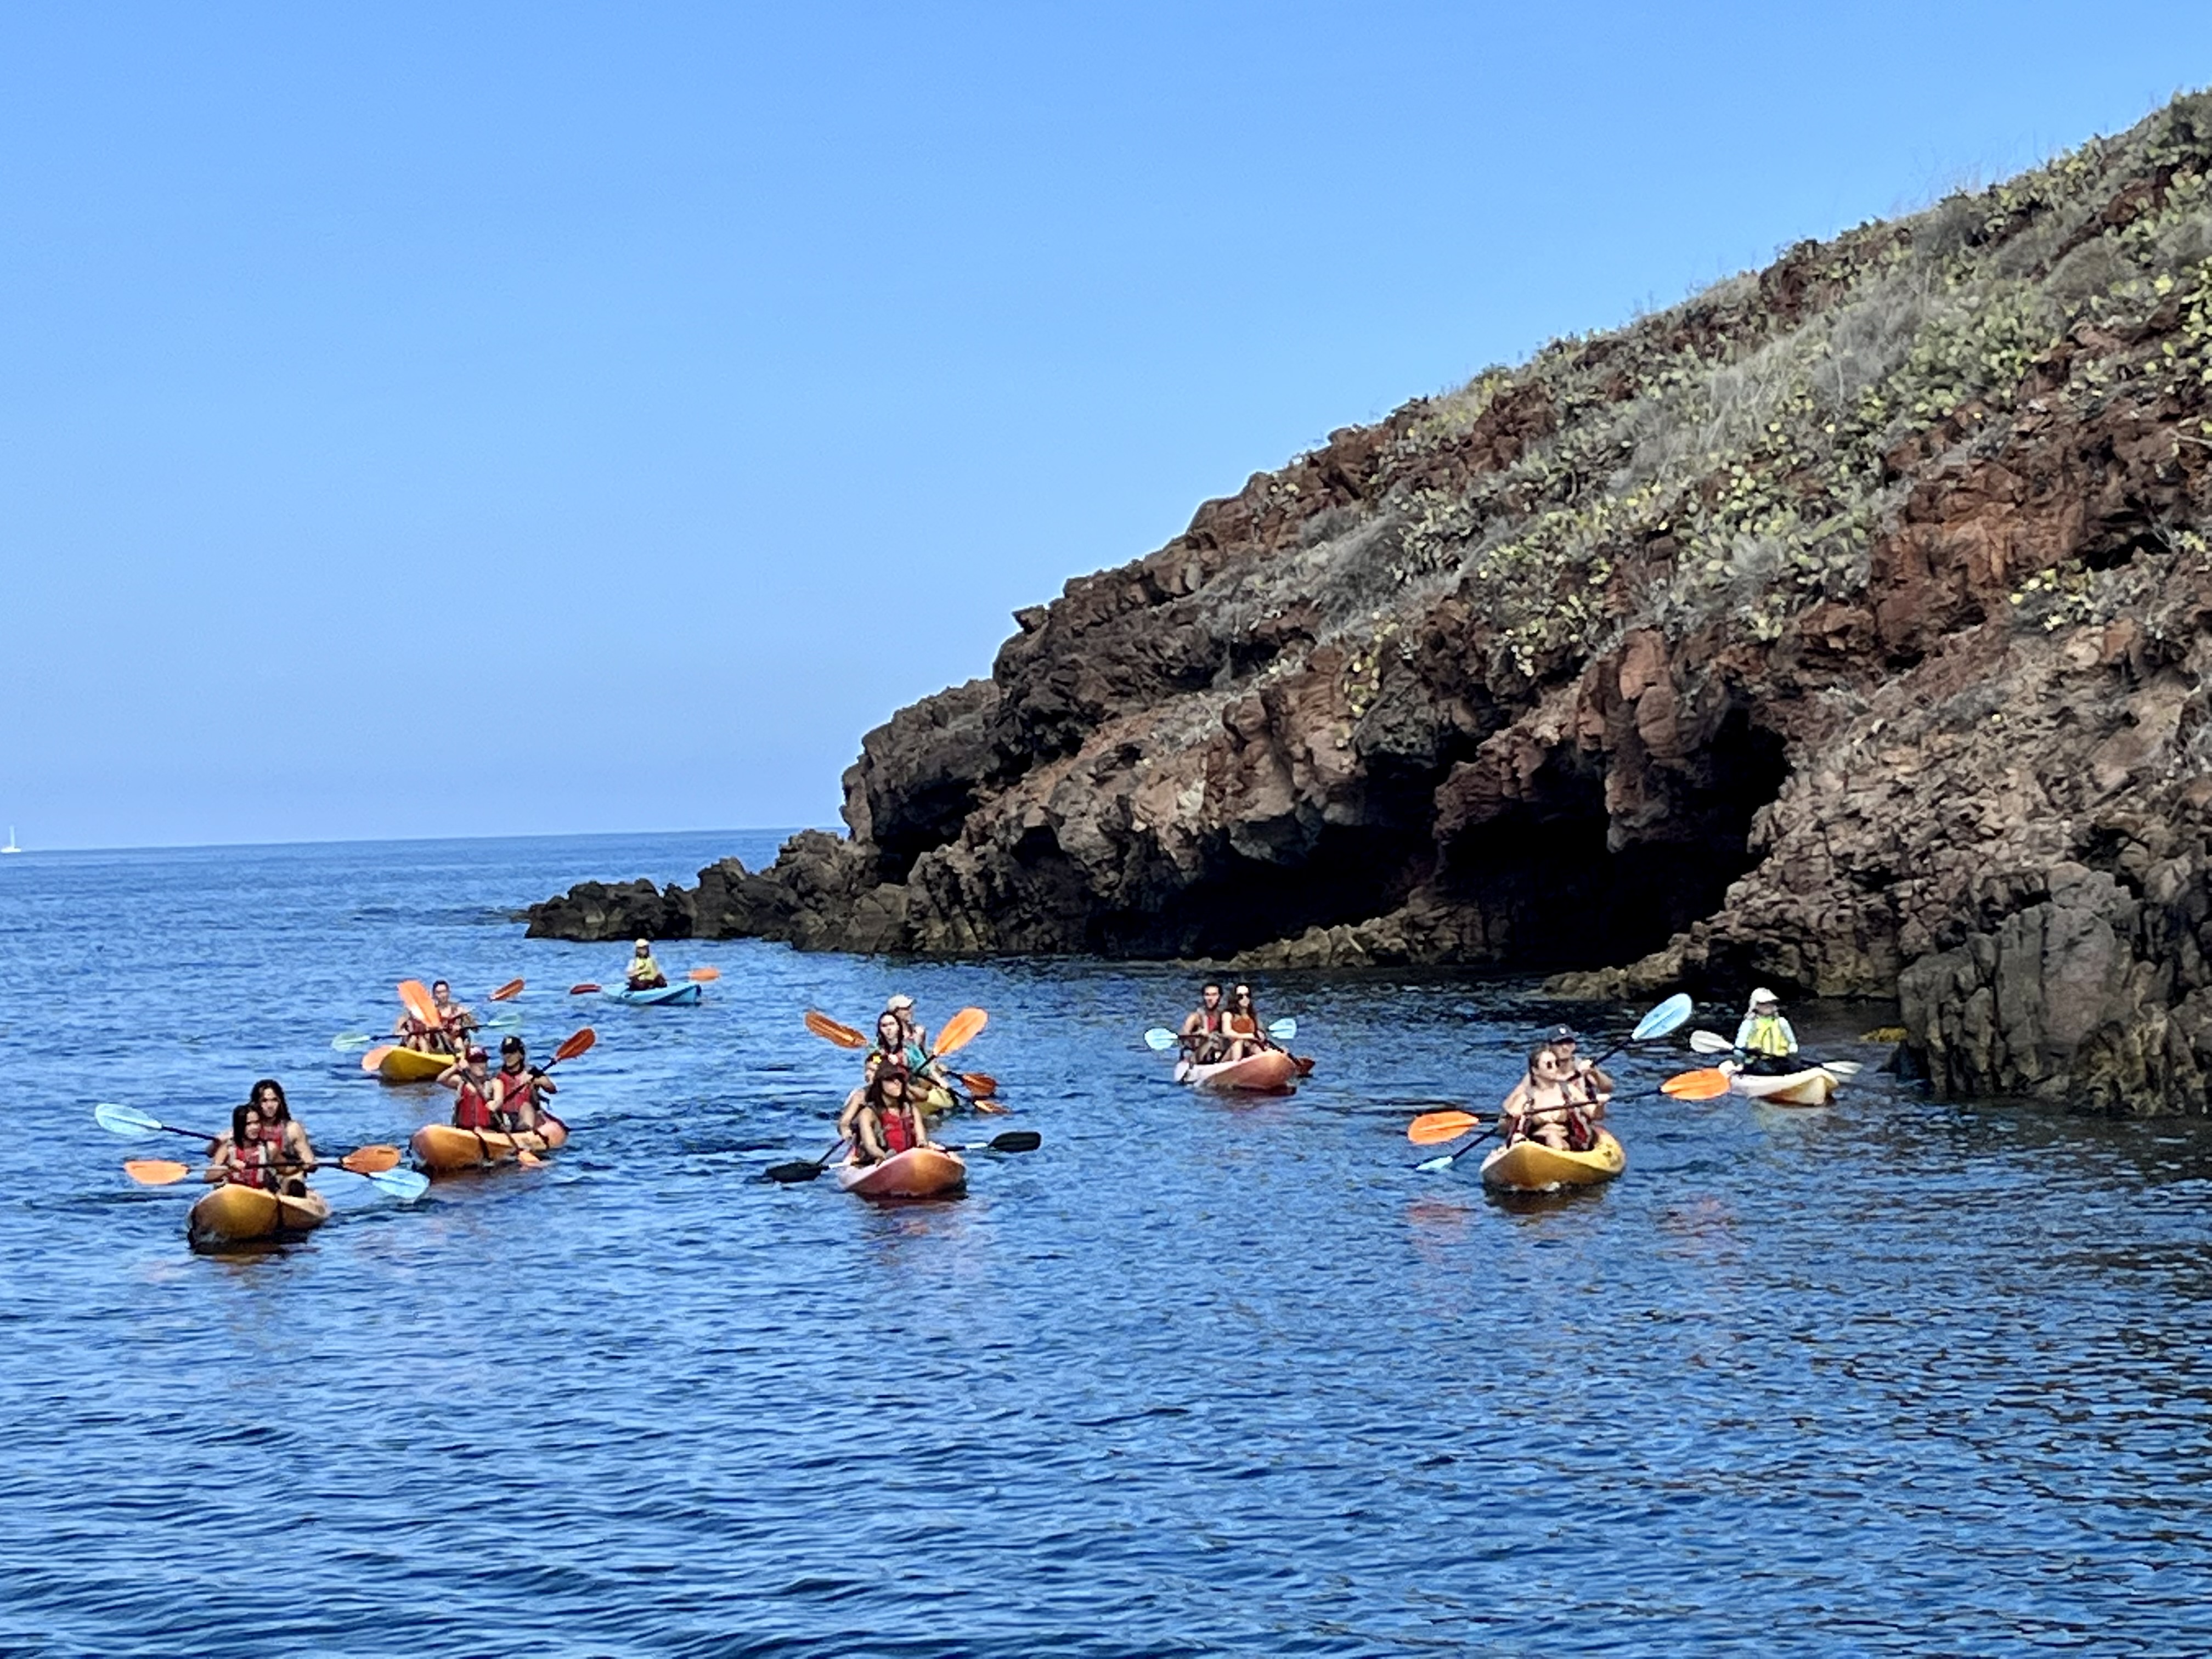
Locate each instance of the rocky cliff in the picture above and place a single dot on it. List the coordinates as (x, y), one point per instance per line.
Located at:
(1844, 627)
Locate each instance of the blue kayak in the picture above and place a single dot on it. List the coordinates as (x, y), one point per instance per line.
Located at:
(664, 994)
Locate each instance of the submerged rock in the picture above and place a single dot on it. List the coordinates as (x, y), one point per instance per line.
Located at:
(1843, 627)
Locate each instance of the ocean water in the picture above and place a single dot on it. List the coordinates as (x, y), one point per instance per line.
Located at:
(1194, 1378)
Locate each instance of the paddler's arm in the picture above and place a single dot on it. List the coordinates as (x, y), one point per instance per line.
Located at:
(451, 1077)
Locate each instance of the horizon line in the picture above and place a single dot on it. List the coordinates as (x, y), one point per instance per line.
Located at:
(783, 830)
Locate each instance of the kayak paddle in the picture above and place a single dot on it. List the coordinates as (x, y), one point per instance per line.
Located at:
(1014, 1140)
(128, 1121)
(1430, 1127)
(1159, 1039)
(703, 976)
(1709, 1084)
(583, 990)
(788, 1173)
(507, 993)
(400, 1184)
(830, 1030)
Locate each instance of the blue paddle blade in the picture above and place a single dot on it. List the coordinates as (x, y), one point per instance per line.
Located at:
(1665, 1018)
(405, 1185)
(506, 1020)
(123, 1121)
(1431, 1165)
(1283, 1029)
(347, 1042)
(1159, 1039)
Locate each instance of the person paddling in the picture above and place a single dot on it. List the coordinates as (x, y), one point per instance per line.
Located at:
(518, 1089)
(1595, 1084)
(884, 1120)
(641, 972)
(928, 1073)
(1549, 1105)
(455, 1021)
(279, 1153)
(1248, 1032)
(470, 1078)
(1766, 1035)
(1205, 1030)
(241, 1158)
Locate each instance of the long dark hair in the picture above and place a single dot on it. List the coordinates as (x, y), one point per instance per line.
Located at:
(876, 1095)
(238, 1122)
(284, 1113)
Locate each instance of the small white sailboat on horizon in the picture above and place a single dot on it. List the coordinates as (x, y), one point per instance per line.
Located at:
(11, 847)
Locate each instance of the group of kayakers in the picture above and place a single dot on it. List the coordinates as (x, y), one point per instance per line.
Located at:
(901, 1082)
(267, 1148)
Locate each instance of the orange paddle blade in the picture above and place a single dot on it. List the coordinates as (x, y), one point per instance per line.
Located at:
(1432, 1127)
(981, 1085)
(374, 1060)
(155, 1171)
(415, 997)
(1708, 1085)
(577, 1044)
(582, 990)
(370, 1160)
(829, 1030)
(704, 975)
(507, 993)
(992, 1106)
(960, 1030)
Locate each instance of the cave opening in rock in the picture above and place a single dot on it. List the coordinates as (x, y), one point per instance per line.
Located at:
(1351, 873)
(1551, 887)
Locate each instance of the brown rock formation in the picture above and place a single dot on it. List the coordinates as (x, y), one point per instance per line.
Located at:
(1844, 627)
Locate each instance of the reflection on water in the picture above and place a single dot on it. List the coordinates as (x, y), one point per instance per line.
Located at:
(1196, 1376)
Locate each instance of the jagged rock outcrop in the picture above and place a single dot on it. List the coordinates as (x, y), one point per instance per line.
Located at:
(1847, 627)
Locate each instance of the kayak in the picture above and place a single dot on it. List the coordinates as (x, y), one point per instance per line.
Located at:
(660, 995)
(440, 1149)
(411, 1066)
(231, 1214)
(1813, 1086)
(919, 1172)
(1269, 1072)
(1530, 1166)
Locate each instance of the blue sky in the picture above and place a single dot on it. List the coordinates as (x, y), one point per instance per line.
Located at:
(481, 419)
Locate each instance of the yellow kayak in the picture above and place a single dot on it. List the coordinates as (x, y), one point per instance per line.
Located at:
(231, 1214)
(1530, 1166)
(411, 1066)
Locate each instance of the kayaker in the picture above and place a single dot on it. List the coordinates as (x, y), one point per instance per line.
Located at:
(1247, 1033)
(1548, 1105)
(241, 1158)
(289, 1149)
(891, 1046)
(518, 1087)
(1766, 1035)
(1594, 1083)
(927, 1069)
(470, 1081)
(900, 1007)
(455, 1021)
(1206, 1031)
(641, 971)
(882, 1121)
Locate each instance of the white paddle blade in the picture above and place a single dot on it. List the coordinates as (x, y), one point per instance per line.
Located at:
(1283, 1029)
(1431, 1165)
(1710, 1042)
(123, 1119)
(1159, 1039)
(1666, 1016)
(1842, 1067)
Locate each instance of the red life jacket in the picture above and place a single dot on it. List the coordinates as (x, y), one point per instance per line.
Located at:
(892, 1124)
(520, 1096)
(471, 1106)
(250, 1167)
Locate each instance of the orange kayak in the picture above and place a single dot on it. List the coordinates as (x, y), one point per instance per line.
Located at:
(440, 1149)
(231, 1214)
(919, 1172)
(1269, 1072)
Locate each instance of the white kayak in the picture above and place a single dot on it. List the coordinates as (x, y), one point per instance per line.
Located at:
(1814, 1086)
